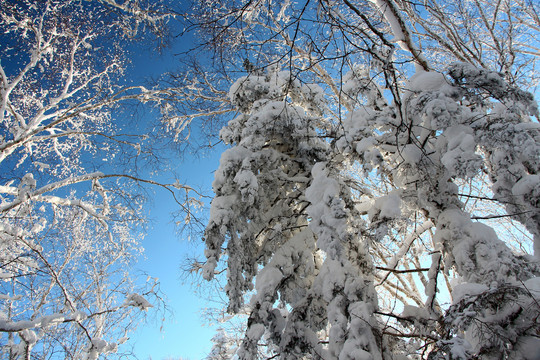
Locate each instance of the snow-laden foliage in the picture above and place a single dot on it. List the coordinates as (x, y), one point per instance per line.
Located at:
(449, 134)
(361, 209)
(274, 219)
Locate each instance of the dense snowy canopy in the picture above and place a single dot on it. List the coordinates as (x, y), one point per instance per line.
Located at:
(360, 210)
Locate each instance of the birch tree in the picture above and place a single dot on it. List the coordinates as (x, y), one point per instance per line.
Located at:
(375, 160)
(71, 214)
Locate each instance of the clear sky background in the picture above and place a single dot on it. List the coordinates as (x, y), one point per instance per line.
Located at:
(185, 335)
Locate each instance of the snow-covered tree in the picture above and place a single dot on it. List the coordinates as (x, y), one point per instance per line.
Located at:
(376, 162)
(70, 203)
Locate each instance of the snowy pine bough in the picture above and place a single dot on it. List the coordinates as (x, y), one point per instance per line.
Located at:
(379, 198)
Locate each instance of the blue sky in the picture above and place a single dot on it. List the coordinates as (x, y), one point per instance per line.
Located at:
(185, 335)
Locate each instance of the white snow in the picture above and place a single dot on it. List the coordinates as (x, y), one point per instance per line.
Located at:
(529, 347)
(411, 154)
(526, 184)
(466, 290)
(533, 286)
(267, 280)
(388, 206)
(415, 312)
(426, 81)
(255, 332)
(138, 301)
